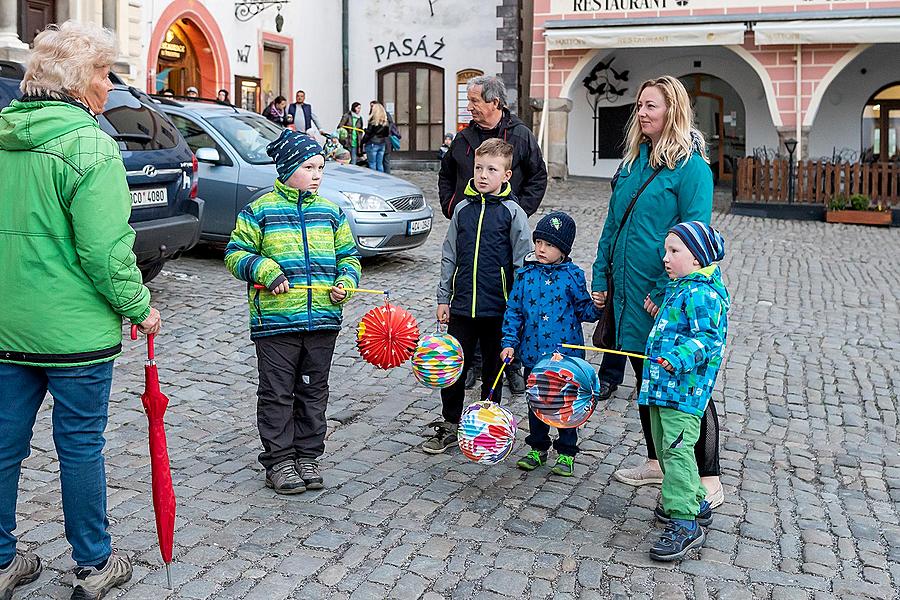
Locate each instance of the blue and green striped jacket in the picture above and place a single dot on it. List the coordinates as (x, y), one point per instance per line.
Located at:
(689, 332)
(310, 246)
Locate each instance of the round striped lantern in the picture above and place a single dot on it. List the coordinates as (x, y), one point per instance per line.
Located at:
(487, 432)
(562, 391)
(438, 360)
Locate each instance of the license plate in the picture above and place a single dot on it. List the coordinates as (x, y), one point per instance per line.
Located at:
(149, 197)
(419, 226)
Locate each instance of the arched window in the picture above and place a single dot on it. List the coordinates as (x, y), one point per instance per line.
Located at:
(463, 116)
(881, 125)
(413, 93)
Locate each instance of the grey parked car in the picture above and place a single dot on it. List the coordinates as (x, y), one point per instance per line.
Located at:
(386, 213)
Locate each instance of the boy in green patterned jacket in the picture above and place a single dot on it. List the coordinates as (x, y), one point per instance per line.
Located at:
(688, 339)
(293, 237)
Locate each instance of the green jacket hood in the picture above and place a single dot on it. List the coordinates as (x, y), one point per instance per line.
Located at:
(711, 276)
(504, 193)
(27, 125)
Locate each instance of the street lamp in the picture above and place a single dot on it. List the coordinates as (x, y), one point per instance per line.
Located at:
(791, 145)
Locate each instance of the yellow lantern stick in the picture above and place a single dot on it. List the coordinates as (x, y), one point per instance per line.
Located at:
(326, 288)
(497, 379)
(595, 349)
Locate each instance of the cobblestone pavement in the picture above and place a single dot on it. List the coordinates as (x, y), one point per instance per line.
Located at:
(809, 450)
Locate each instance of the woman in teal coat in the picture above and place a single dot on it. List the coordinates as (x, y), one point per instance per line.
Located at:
(659, 137)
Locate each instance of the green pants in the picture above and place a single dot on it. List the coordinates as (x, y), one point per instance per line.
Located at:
(675, 434)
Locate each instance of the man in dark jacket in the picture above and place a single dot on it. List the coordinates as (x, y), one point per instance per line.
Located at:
(491, 119)
(302, 113)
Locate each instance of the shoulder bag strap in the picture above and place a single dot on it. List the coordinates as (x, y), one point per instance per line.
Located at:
(630, 207)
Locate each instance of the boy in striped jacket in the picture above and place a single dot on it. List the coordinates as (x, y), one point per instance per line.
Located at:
(293, 237)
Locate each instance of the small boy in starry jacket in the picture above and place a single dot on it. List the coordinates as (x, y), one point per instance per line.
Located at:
(548, 304)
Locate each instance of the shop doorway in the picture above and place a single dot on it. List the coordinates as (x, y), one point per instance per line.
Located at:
(413, 93)
(272, 76)
(185, 60)
(719, 114)
(881, 125)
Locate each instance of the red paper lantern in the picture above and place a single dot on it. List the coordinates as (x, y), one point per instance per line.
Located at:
(387, 336)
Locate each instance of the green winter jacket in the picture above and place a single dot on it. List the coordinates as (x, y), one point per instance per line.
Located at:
(67, 271)
(674, 196)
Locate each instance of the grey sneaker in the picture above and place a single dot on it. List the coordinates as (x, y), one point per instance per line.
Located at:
(23, 569)
(92, 583)
(309, 472)
(444, 437)
(284, 479)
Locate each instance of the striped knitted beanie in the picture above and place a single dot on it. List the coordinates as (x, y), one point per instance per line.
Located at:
(291, 150)
(704, 242)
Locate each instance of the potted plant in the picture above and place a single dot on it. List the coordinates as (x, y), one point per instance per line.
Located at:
(858, 210)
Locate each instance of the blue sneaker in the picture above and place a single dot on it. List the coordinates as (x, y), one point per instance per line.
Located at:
(704, 518)
(677, 540)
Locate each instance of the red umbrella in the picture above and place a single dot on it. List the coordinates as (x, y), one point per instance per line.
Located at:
(387, 336)
(155, 403)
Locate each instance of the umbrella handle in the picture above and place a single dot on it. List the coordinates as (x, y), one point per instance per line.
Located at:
(151, 354)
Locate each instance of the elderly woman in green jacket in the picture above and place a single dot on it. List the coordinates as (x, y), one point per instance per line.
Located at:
(67, 278)
(663, 149)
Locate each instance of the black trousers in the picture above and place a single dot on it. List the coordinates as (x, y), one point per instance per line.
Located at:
(539, 434)
(514, 365)
(612, 370)
(293, 394)
(489, 332)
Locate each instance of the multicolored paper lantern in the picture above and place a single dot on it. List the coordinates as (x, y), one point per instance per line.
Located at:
(438, 360)
(486, 432)
(386, 336)
(562, 391)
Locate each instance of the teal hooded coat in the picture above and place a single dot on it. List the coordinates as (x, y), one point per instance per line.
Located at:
(674, 196)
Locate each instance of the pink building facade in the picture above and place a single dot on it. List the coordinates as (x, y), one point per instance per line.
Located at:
(760, 72)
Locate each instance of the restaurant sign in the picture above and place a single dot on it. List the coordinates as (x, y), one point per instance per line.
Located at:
(559, 7)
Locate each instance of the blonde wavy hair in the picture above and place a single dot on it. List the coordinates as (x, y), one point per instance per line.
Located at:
(377, 115)
(65, 57)
(679, 137)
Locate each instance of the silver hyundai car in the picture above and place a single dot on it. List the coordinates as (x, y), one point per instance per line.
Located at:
(386, 214)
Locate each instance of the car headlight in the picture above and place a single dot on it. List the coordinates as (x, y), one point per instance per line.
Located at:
(367, 202)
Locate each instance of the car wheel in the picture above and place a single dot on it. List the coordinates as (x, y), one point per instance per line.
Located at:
(151, 270)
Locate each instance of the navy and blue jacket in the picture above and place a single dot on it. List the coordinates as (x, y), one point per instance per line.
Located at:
(547, 307)
(486, 242)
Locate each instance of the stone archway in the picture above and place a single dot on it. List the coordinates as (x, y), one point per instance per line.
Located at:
(202, 31)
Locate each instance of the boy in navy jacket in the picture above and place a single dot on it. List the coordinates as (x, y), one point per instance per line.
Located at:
(549, 303)
(486, 242)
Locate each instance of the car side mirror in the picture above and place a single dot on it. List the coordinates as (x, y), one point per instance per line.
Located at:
(208, 155)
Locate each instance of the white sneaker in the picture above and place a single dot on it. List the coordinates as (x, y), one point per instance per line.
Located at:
(716, 498)
(23, 569)
(646, 474)
(92, 583)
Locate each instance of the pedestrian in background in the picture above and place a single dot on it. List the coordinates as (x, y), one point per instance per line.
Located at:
(274, 112)
(491, 118)
(376, 137)
(69, 276)
(192, 92)
(487, 240)
(301, 113)
(292, 235)
(548, 304)
(350, 131)
(688, 338)
(665, 178)
(222, 97)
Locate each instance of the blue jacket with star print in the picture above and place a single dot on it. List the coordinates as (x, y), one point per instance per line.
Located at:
(547, 306)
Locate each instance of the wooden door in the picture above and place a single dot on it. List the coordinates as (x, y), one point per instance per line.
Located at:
(34, 16)
(413, 93)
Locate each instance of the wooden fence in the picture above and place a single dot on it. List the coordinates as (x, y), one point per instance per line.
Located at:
(816, 181)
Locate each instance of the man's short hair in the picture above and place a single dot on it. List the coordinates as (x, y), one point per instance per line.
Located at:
(492, 88)
(497, 148)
